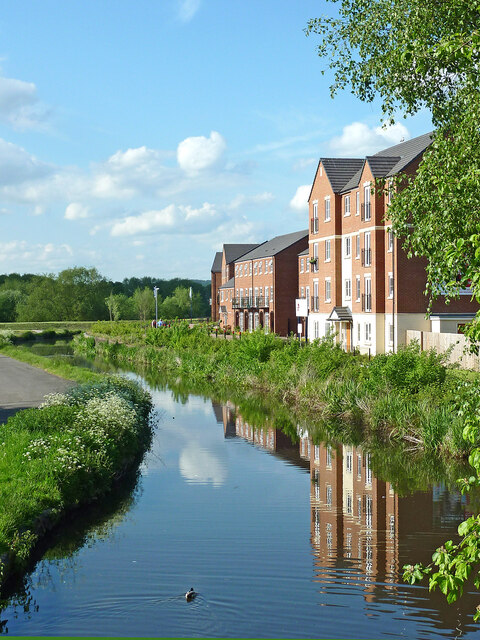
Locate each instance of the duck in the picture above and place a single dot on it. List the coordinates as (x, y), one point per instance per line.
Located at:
(190, 595)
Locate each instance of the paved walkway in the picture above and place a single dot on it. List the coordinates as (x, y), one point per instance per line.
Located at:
(23, 386)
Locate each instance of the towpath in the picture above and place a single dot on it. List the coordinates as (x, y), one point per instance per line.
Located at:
(23, 386)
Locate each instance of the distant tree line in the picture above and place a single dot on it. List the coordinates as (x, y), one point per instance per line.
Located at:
(84, 294)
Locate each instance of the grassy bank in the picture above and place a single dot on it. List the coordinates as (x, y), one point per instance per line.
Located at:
(408, 397)
(63, 455)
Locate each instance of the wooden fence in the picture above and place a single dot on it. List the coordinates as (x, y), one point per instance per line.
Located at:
(443, 341)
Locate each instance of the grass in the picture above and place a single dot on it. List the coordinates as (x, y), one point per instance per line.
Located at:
(409, 396)
(64, 454)
(82, 325)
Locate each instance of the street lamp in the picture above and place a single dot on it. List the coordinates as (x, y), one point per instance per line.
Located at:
(155, 295)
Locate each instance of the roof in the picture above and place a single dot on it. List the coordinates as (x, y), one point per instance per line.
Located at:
(304, 252)
(217, 263)
(274, 246)
(344, 173)
(234, 251)
(228, 285)
(340, 314)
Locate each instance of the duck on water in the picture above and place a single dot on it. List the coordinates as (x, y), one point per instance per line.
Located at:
(190, 595)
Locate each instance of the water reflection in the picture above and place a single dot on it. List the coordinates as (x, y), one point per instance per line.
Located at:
(362, 530)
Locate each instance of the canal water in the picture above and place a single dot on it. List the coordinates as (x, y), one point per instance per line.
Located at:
(279, 536)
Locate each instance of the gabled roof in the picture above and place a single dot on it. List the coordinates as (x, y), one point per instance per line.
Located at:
(228, 285)
(304, 252)
(217, 263)
(274, 246)
(344, 174)
(406, 151)
(234, 251)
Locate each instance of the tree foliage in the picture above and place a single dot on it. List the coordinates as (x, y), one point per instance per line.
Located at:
(416, 54)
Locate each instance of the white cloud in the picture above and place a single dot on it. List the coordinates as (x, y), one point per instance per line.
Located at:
(22, 256)
(171, 219)
(19, 104)
(359, 140)
(187, 9)
(198, 153)
(299, 202)
(18, 166)
(76, 211)
(242, 200)
(199, 465)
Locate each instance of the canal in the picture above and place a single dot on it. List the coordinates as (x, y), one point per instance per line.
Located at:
(280, 537)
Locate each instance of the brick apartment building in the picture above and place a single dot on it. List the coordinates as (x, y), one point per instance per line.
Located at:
(221, 274)
(360, 284)
(265, 285)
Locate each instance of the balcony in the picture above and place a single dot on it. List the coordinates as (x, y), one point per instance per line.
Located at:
(365, 212)
(366, 257)
(254, 302)
(366, 302)
(314, 303)
(314, 225)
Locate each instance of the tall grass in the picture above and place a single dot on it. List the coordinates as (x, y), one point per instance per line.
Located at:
(64, 454)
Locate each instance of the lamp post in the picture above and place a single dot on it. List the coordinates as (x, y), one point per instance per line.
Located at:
(155, 295)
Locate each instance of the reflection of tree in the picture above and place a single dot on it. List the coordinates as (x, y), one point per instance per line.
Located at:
(60, 549)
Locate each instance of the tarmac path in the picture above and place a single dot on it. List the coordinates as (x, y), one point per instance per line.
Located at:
(23, 386)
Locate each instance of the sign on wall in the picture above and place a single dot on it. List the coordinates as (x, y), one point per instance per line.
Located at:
(301, 307)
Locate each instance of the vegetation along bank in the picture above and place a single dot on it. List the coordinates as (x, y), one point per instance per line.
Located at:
(410, 396)
(63, 455)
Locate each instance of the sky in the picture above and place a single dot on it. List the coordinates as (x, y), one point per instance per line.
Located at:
(138, 137)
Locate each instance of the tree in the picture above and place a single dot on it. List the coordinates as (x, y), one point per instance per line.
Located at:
(9, 299)
(415, 54)
(144, 303)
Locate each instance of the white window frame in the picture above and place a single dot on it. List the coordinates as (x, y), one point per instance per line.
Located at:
(348, 247)
(346, 205)
(368, 332)
(348, 289)
(357, 288)
(390, 285)
(389, 241)
(328, 289)
(328, 251)
(366, 200)
(255, 266)
(327, 209)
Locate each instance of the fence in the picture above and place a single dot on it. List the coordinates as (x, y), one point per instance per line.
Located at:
(443, 341)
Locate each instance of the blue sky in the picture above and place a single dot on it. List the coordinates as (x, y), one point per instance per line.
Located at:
(138, 137)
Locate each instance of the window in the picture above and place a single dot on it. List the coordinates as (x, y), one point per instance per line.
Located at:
(315, 256)
(260, 267)
(357, 247)
(348, 289)
(267, 291)
(307, 265)
(367, 296)
(329, 456)
(367, 252)
(271, 294)
(390, 240)
(390, 191)
(366, 195)
(255, 265)
(390, 333)
(250, 265)
(328, 491)
(221, 295)
(315, 218)
(302, 265)
(357, 288)
(359, 332)
(328, 290)
(349, 462)
(359, 465)
(348, 247)
(327, 250)
(307, 295)
(349, 503)
(302, 292)
(347, 205)
(316, 329)
(245, 269)
(236, 270)
(368, 332)
(357, 198)
(327, 209)
(390, 285)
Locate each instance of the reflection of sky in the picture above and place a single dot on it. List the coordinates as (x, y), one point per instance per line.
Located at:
(189, 437)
